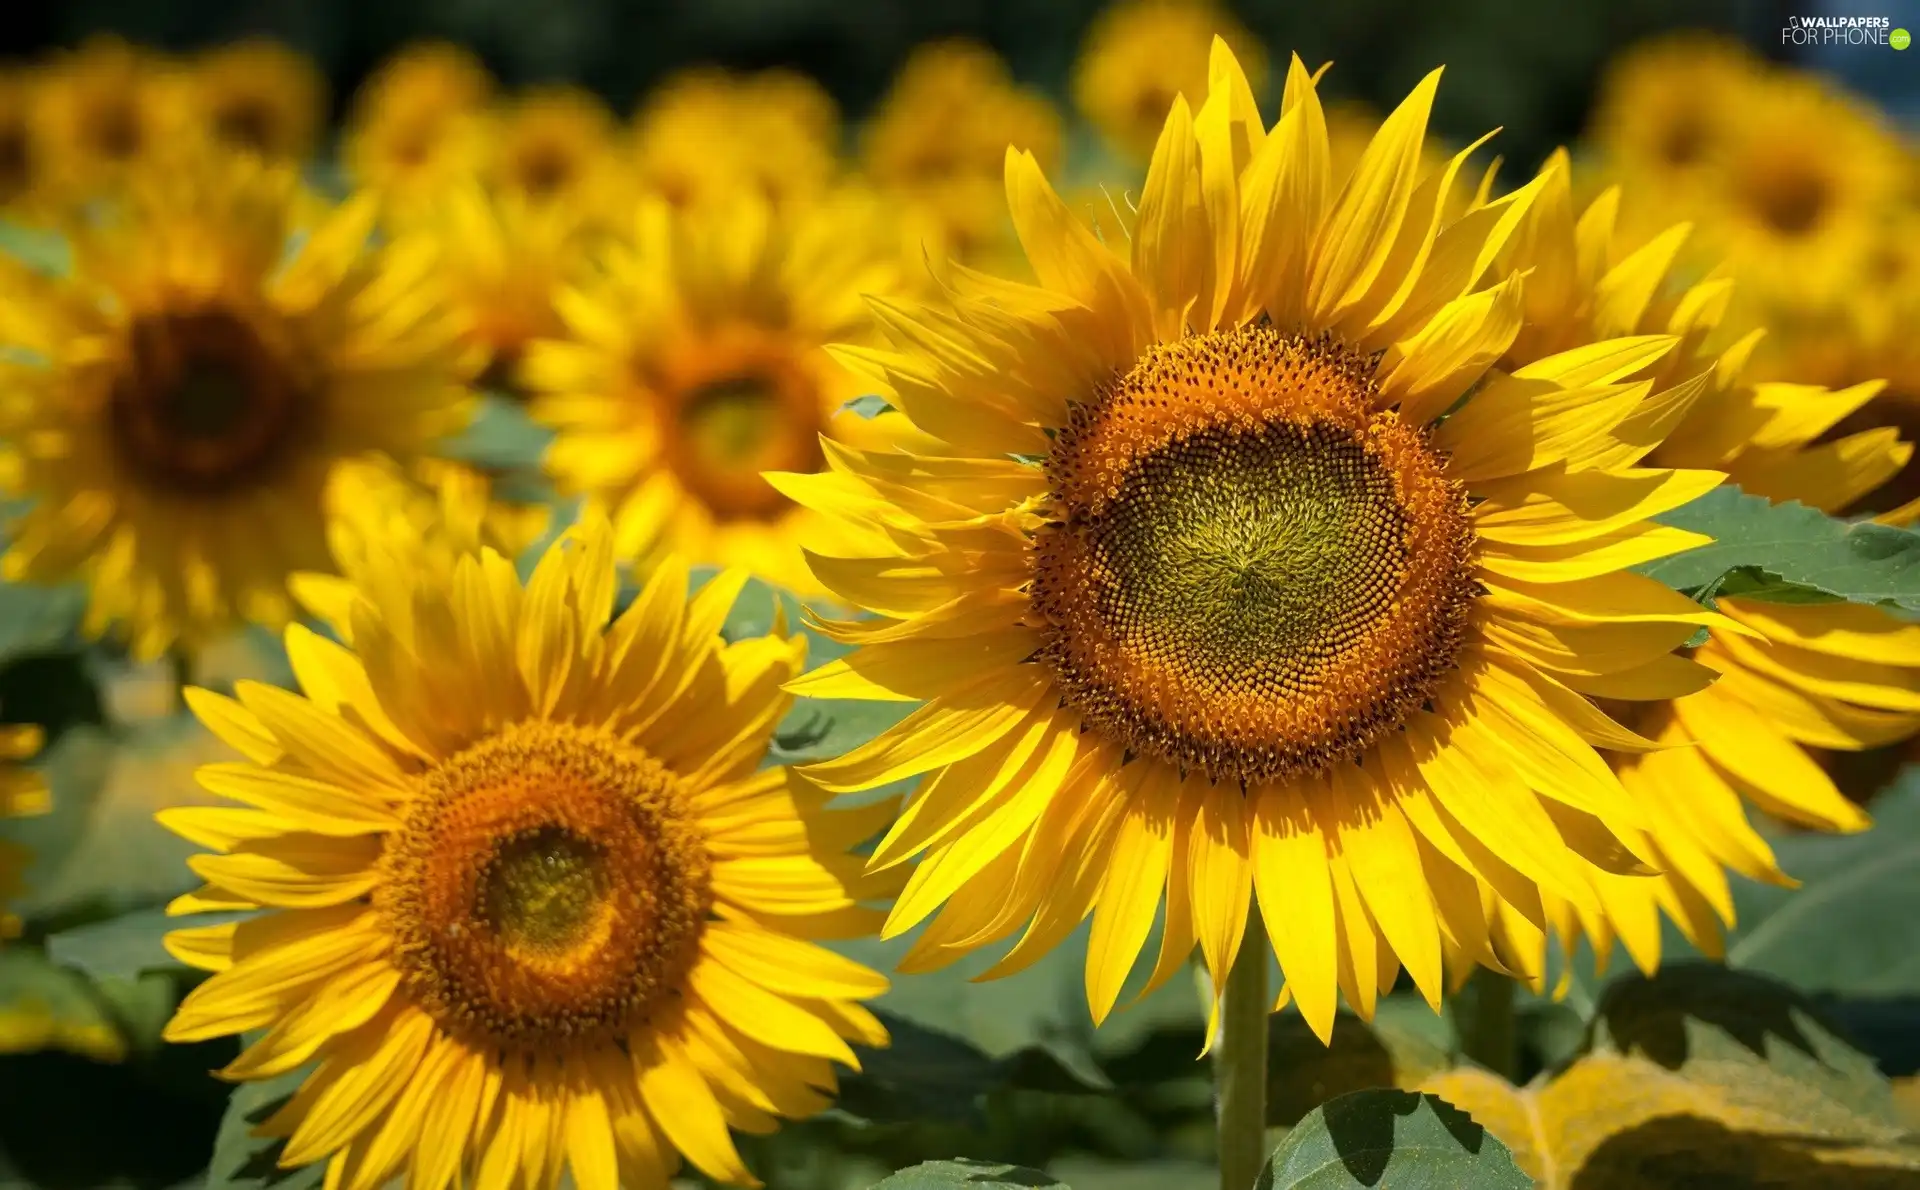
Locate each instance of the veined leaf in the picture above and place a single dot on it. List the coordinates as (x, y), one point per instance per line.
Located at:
(965, 1174)
(1700, 1077)
(1391, 1138)
(1789, 552)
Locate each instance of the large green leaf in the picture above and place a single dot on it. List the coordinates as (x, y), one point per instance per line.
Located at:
(1740, 1030)
(100, 851)
(126, 946)
(1402, 1139)
(965, 1175)
(1851, 927)
(1700, 1076)
(1789, 551)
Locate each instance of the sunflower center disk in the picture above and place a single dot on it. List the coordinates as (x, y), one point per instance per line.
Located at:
(1250, 571)
(546, 890)
(1791, 199)
(204, 405)
(763, 415)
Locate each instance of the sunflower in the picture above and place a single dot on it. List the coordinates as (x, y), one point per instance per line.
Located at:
(22, 792)
(1800, 188)
(1865, 337)
(1793, 677)
(554, 146)
(418, 123)
(1139, 54)
(257, 96)
(527, 897)
(705, 133)
(1667, 106)
(102, 111)
(695, 358)
(501, 259)
(179, 401)
(1209, 604)
(939, 138)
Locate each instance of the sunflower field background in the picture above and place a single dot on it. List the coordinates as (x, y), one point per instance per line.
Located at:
(597, 596)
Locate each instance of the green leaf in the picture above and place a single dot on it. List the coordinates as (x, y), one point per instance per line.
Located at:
(501, 437)
(927, 1074)
(1768, 547)
(1084, 1173)
(36, 619)
(1742, 1031)
(243, 1161)
(99, 851)
(965, 1175)
(1850, 927)
(39, 249)
(1397, 1138)
(1700, 1076)
(126, 946)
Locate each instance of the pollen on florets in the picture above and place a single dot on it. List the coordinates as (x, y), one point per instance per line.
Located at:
(547, 890)
(1249, 568)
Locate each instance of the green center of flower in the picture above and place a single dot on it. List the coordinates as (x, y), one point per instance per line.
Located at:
(753, 408)
(543, 888)
(729, 423)
(1259, 556)
(1248, 568)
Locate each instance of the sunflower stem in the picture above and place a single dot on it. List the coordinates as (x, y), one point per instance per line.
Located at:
(1240, 1062)
(1483, 1016)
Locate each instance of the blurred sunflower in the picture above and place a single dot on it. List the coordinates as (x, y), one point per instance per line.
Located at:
(22, 160)
(100, 112)
(1665, 108)
(938, 142)
(257, 96)
(1205, 606)
(1139, 54)
(181, 399)
(1801, 186)
(554, 146)
(527, 897)
(501, 260)
(695, 359)
(705, 133)
(1793, 677)
(1866, 336)
(23, 791)
(418, 123)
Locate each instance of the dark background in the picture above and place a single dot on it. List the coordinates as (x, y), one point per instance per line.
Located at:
(1529, 65)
